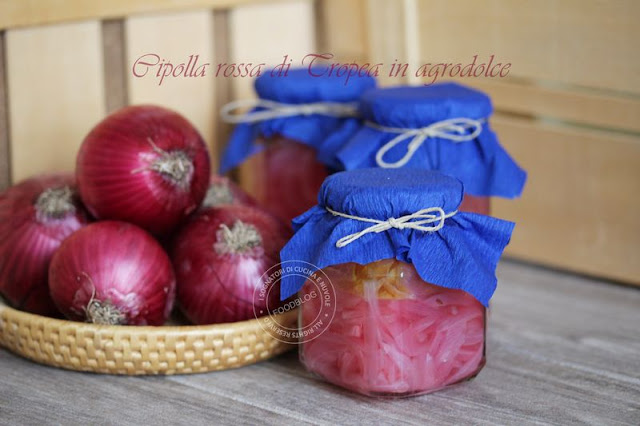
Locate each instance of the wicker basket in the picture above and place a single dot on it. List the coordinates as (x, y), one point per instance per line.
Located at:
(138, 350)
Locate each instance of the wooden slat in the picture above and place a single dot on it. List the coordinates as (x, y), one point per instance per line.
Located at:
(580, 207)
(342, 33)
(115, 64)
(174, 37)
(373, 31)
(5, 164)
(577, 106)
(56, 94)
(581, 42)
(18, 13)
(411, 33)
(320, 11)
(341, 28)
(223, 87)
(265, 33)
(388, 45)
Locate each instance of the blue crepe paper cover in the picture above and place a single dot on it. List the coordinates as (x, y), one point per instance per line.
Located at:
(322, 132)
(482, 164)
(462, 255)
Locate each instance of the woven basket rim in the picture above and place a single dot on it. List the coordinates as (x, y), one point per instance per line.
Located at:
(145, 329)
(140, 350)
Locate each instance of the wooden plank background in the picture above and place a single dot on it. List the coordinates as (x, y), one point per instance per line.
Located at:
(578, 42)
(17, 13)
(115, 64)
(574, 81)
(268, 32)
(287, 29)
(569, 111)
(580, 207)
(175, 37)
(5, 163)
(55, 94)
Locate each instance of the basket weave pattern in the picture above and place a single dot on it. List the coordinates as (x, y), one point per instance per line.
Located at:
(138, 350)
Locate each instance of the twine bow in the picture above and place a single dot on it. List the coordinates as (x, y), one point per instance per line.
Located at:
(418, 221)
(454, 129)
(273, 110)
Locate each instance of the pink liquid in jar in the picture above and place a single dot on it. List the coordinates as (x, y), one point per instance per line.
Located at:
(285, 177)
(393, 334)
(473, 204)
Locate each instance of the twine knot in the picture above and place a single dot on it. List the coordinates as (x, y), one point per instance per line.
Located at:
(307, 109)
(426, 220)
(455, 129)
(395, 223)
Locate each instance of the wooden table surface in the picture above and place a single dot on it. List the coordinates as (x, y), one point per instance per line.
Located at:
(562, 350)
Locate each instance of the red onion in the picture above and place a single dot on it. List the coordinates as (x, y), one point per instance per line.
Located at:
(112, 273)
(35, 216)
(145, 165)
(223, 190)
(219, 258)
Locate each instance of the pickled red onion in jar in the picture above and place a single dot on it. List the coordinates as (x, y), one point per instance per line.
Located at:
(475, 204)
(394, 334)
(286, 177)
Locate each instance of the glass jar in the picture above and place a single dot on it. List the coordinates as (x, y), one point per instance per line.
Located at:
(284, 176)
(394, 334)
(398, 279)
(474, 204)
(443, 127)
(285, 144)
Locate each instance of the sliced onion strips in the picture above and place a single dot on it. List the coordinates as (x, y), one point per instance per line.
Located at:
(394, 334)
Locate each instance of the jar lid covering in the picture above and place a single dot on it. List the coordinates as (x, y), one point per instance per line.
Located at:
(440, 127)
(302, 85)
(368, 215)
(325, 132)
(419, 106)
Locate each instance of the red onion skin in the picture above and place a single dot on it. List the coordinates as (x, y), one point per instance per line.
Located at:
(28, 241)
(113, 262)
(238, 195)
(114, 175)
(219, 288)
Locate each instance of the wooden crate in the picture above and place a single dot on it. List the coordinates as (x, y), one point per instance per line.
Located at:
(569, 111)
